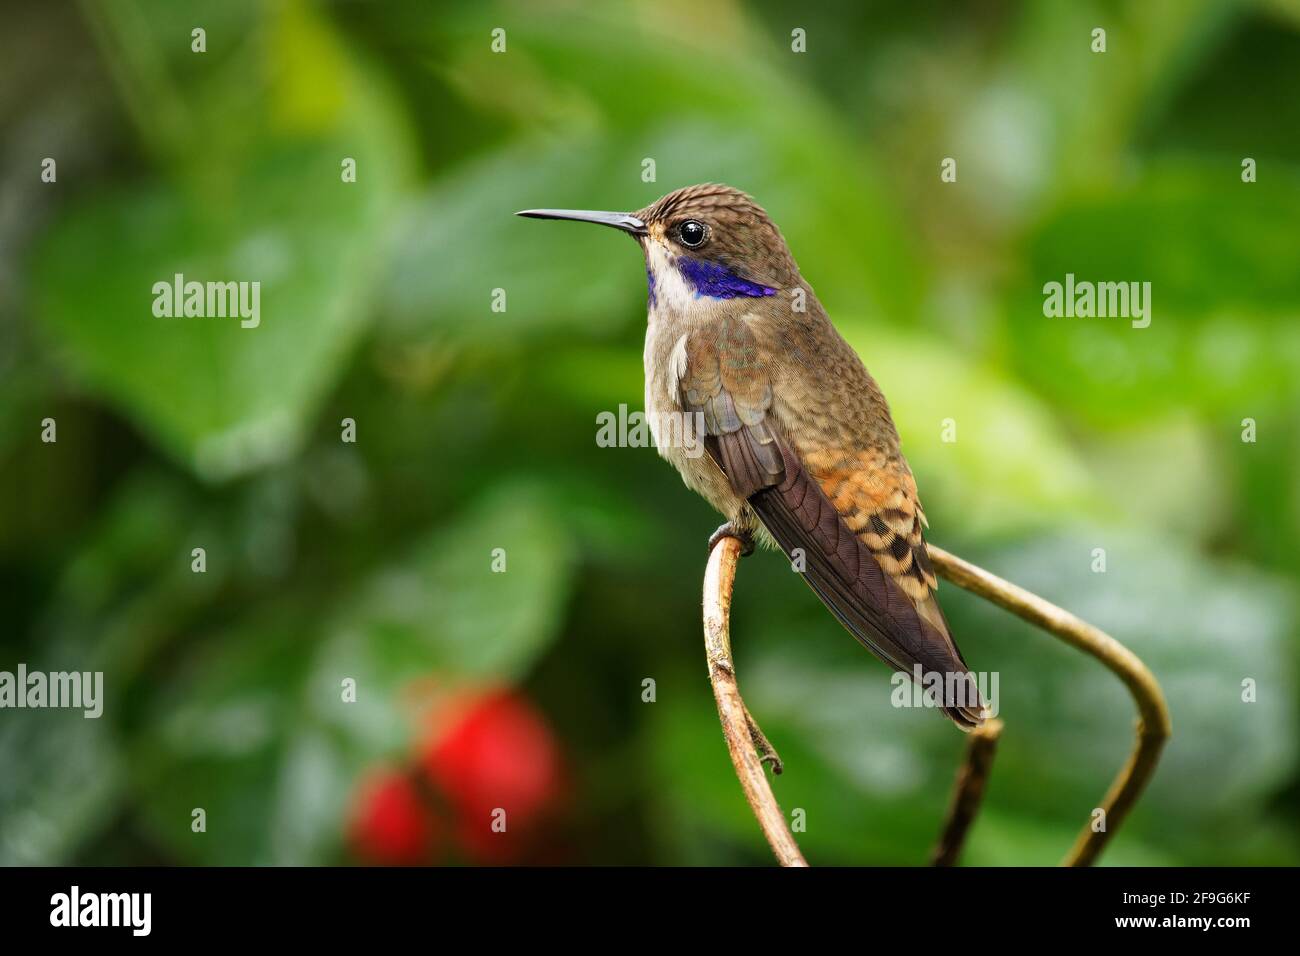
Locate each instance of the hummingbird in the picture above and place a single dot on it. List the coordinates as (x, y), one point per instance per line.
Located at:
(802, 452)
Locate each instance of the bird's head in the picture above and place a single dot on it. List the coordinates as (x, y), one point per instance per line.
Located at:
(701, 242)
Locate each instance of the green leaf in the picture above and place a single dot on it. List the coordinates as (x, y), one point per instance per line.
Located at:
(1223, 293)
(262, 202)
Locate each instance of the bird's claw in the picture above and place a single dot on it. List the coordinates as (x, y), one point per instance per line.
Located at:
(729, 530)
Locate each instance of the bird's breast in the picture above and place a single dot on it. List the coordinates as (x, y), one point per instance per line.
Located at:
(679, 434)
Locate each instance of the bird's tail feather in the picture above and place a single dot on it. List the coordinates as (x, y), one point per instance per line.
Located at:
(842, 571)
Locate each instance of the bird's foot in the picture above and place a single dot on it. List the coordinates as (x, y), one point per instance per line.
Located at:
(766, 752)
(729, 530)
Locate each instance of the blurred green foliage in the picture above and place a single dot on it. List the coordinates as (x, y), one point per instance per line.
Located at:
(475, 429)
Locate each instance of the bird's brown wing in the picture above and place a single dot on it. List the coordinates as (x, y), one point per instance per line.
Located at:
(719, 375)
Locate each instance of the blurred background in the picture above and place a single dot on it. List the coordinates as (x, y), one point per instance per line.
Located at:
(475, 429)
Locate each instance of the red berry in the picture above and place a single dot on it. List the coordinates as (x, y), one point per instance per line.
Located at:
(493, 752)
(391, 824)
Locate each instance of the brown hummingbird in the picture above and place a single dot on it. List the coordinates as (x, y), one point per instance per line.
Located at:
(800, 443)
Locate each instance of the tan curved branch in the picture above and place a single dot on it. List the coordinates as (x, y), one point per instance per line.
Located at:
(968, 792)
(748, 747)
(1153, 727)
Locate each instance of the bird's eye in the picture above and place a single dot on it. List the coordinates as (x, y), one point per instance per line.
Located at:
(692, 233)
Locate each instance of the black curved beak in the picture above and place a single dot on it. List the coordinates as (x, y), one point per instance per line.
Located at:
(619, 220)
